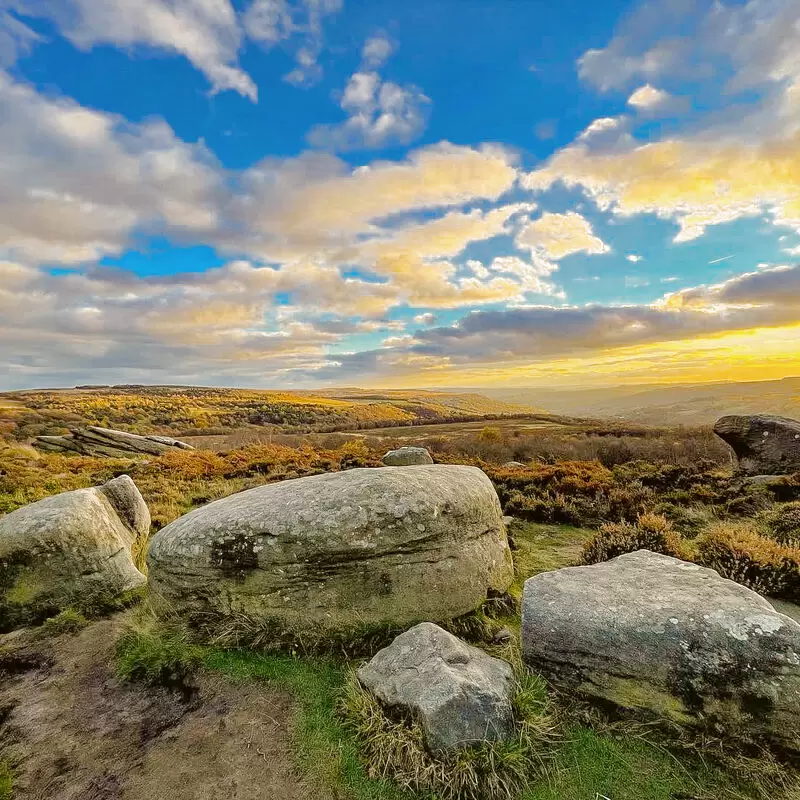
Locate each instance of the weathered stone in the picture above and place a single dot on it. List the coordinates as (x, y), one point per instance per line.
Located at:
(340, 551)
(407, 456)
(69, 550)
(459, 695)
(513, 465)
(96, 441)
(764, 444)
(650, 632)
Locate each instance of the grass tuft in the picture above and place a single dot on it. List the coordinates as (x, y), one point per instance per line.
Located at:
(6, 781)
(393, 747)
(68, 621)
(156, 650)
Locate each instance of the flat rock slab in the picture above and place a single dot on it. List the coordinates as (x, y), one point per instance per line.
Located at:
(649, 632)
(97, 441)
(407, 456)
(460, 695)
(69, 550)
(763, 444)
(340, 551)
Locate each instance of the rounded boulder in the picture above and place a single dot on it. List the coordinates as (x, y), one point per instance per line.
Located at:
(340, 552)
(407, 457)
(74, 549)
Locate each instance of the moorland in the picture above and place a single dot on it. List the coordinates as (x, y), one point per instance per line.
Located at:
(578, 492)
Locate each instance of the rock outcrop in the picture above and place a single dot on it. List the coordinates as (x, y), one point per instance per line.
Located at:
(459, 695)
(95, 441)
(340, 551)
(407, 456)
(652, 633)
(71, 550)
(763, 444)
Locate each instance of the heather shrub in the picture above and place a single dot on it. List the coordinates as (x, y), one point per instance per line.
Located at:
(739, 553)
(783, 524)
(650, 532)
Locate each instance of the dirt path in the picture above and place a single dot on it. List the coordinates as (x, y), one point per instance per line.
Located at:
(75, 732)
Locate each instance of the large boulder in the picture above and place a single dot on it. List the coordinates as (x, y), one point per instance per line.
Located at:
(340, 551)
(71, 550)
(407, 456)
(764, 444)
(459, 695)
(96, 441)
(652, 633)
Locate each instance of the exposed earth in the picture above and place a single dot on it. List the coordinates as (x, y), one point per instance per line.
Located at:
(80, 733)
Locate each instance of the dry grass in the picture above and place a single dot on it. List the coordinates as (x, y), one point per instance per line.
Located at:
(393, 747)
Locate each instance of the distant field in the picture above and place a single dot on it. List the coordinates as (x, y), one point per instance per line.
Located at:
(205, 411)
(409, 434)
(451, 429)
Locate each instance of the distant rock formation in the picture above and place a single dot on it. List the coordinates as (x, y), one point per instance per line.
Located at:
(764, 444)
(407, 456)
(650, 633)
(96, 441)
(71, 550)
(459, 694)
(340, 552)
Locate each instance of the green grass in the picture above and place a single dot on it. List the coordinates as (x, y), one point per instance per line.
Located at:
(542, 548)
(584, 763)
(325, 751)
(6, 781)
(68, 621)
(591, 765)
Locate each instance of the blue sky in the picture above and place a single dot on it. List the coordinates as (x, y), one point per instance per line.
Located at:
(297, 193)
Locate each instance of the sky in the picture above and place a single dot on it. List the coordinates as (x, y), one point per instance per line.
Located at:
(305, 193)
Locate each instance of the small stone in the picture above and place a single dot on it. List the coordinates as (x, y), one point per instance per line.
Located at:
(407, 456)
(460, 695)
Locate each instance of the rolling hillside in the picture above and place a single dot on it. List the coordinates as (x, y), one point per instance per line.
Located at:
(192, 410)
(664, 405)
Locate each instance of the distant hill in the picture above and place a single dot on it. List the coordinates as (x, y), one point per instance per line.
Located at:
(682, 404)
(187, 410)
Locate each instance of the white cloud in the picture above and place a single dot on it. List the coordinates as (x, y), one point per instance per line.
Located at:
(379, 113)
(648, 97)
(633, 258)
(270, 22)
(425, 319)
(16, 38)
(555, 236)
(76, 182)
(600, 126)
(376, 51)
(206, 32)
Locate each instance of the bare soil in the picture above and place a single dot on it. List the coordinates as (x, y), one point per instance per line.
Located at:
(73, 731)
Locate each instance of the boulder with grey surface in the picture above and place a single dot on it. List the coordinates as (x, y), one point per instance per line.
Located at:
(341, 551)
(656, 635)
(407, 456)
(70, 550)
(97, 441)
(763, 444)
(458, 694)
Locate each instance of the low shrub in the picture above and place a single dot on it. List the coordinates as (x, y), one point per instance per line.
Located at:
(783, 524)
(393, 746)
(739, 553)
(650, 532)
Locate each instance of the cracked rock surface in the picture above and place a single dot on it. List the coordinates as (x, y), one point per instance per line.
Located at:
(70, 550)
(652, 633)
(340, 551)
